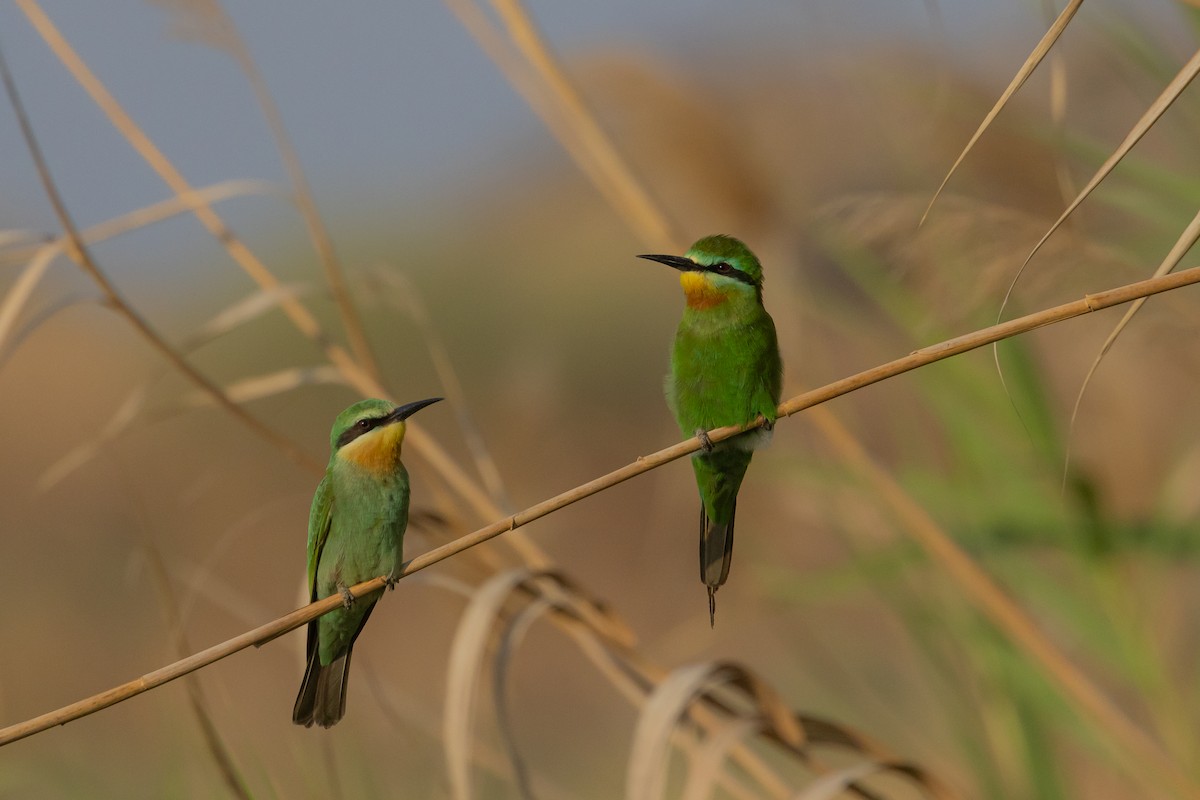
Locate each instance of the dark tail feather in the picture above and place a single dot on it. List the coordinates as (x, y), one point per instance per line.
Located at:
(322, 697)
(306, 700)
(716, 552)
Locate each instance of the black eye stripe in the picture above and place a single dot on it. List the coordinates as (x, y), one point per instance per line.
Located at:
(729, 271)
(364, 425)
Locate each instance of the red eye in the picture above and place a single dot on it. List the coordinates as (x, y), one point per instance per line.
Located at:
(723, 267)
(364, 423)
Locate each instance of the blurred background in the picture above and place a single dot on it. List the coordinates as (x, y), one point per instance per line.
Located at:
(818, 133)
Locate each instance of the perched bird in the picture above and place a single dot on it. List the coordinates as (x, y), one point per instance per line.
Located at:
(725, 370)
(355, 533)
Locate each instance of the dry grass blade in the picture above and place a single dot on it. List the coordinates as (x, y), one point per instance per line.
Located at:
(299, 315)
(645, 777)
(1133, 738)
(79, 253)
(510, 639)
(566, 115)
(43, 256)
(273, 383)
(464, 666)
(13, 236)
(706, 761)
(671, 702)
(87, 450)
(828, 787)
(405, 718)
(22, 288)
(206, 21)
(249, 308)
(16, 338)
(155, 212)
(411, 302)
(1185, 242)
(1152, 114)
(1133, 750)
(1031, 62)
(468, 652)
(364, 383)
(220, 753)
(1058, 114)
(151, 680)
(240, 392)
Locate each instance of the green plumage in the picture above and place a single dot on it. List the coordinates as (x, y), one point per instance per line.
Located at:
(725, 370)
(355, 533)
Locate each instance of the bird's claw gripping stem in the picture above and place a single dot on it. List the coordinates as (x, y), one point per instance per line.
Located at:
(390, 581)
(768, 424)
(705, 442)
(347, 598)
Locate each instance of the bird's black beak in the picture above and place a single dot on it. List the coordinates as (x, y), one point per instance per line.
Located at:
(407, 410)
(677, 262)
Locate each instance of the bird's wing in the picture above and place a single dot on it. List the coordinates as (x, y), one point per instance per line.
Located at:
(318, 530)
(771, 385)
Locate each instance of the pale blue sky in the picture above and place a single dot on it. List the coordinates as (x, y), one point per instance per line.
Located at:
(383, 99)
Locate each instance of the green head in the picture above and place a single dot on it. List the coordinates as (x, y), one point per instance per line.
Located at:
(715, 269)
(371, 432)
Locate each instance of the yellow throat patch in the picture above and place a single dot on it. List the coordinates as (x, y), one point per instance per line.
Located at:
(378, 451)
(700, 290)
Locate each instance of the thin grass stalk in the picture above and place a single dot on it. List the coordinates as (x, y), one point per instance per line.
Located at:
(1170, 93)
(234, 780)
(301, 616)
(1138, 755)
(147, 215)
(1187, 239)
(296, 311)
(79, 253)
(567, 116)
(417, 438)
(302, 196)
(1026, 69)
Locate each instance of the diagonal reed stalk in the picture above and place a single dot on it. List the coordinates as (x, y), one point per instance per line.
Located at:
(1125, 739)
(78, 252)
(303, 319)
(524, 34)
(1115, 727)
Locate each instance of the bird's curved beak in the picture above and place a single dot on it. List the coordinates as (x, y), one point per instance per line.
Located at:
(676, 262)
(408, 409)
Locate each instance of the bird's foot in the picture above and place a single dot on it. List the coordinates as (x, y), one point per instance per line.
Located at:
(712, 606)
(390, 581)
(347, 598)
(768, 425)
(705, 442)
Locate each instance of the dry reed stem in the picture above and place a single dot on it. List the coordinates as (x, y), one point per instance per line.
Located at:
(417, 438)
(302, 196)
(1169, 95)
(300, 316)
(1128, 743)
(79, 253)
(566, 114)
(927, 355)
(221, 755)
(1185, 242)
(148, 215)
(577, 131)
(407, 298)
(1096, 304)
(1030, 64)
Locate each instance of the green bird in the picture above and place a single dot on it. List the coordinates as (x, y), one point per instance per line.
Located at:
(725, 370)
(355, 533)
